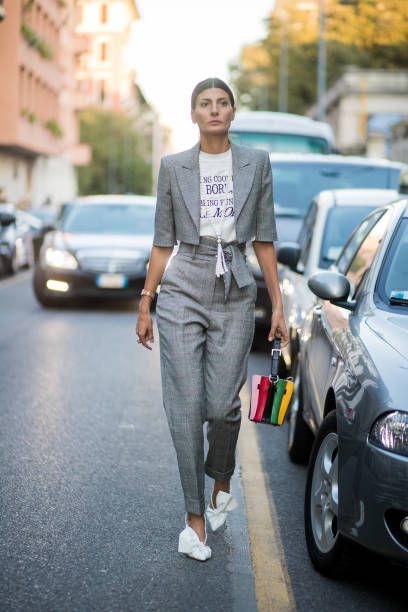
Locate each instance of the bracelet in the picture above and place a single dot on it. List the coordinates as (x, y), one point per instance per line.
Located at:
(151, 294)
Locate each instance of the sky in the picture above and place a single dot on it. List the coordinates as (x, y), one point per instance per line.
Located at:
(177, 43)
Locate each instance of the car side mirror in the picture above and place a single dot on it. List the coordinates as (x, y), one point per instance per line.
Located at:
(332, 286)
(288, 254)
(7, 219)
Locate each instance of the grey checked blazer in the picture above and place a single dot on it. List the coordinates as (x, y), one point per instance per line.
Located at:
(178, 197)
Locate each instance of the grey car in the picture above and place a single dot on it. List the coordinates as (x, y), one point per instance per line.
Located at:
(332, 216)
(351, 396)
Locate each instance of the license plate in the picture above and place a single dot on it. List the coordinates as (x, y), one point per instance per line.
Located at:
(111, 281)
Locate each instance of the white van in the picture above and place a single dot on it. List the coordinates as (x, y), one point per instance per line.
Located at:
(282, 133)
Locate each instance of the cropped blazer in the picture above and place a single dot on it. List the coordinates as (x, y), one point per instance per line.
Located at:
(177, 216)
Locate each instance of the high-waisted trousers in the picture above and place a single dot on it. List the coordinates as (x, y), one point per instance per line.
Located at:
(205, 339)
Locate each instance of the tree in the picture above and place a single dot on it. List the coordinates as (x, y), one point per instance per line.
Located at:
(117, 165)
(366, 34)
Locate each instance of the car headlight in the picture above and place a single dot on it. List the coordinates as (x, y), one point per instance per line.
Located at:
(390, 431)
(58, 258)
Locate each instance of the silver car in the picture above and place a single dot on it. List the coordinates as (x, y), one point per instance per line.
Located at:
(332, 216)
(351, 395)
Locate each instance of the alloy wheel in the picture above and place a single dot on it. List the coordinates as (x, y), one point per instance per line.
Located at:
(324, 497)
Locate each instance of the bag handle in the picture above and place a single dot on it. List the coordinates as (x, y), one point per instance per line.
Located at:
(275, 355)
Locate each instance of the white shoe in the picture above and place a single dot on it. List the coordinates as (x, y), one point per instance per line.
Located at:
(224, 504)
(191, 545)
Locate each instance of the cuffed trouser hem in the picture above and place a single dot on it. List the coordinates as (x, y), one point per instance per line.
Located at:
(218, 475)
(194, 506)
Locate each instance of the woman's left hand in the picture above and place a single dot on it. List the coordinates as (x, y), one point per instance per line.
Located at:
(278, 327)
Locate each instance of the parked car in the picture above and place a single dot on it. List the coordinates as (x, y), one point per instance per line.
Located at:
(297, 179)
(284, 132)
(350, 395)
(100, 249)
(332, 217)
(8, 254)
(16, 245)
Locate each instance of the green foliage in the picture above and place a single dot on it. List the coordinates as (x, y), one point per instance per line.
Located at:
(29, 115)
(54, 127)
(35, 41)
(117, 165)
(366, 34)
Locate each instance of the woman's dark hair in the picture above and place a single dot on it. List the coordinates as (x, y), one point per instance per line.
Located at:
(208, 84)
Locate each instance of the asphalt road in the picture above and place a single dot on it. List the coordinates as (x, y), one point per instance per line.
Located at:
(91, 504)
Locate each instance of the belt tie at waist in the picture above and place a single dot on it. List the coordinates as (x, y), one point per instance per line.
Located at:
(233, 253)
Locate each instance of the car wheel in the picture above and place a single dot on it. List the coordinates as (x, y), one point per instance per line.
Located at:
(328, 549)
(300, 438)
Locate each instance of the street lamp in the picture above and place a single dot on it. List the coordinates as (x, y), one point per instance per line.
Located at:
(321, 63)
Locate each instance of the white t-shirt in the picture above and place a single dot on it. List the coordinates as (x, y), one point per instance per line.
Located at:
(217, 195)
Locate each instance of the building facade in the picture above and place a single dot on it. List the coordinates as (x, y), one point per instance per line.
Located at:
(104, 72)
(39, 143)
(363, 106)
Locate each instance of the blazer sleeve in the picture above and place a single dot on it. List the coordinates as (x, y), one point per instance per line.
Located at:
(164, 226)
(265, 215)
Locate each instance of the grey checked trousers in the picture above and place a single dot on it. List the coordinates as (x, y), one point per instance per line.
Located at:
(205, 342)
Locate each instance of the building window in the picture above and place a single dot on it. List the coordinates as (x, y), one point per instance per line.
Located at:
(103, 52)
(102, 90)
(104, 12)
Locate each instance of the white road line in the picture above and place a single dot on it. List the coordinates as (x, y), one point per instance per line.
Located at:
(272, 583)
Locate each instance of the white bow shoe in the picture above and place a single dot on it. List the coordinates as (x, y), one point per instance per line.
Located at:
(224, 504)
(191, 545)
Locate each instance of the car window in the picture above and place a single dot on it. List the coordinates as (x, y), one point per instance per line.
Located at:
(295, 184)
(305, 236)
(131, 219)
(393, 280)
(351, 246)
(340, 222)
(363, 258)
(284, 143)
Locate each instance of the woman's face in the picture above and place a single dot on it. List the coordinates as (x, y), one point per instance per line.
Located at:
(213, 112)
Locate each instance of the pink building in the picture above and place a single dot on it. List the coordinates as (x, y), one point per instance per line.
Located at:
(38, 98)
(104, 71)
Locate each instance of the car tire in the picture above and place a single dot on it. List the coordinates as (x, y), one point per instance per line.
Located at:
(300, 437)
(329, 551)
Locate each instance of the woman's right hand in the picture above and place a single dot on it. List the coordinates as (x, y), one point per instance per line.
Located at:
(144, 326)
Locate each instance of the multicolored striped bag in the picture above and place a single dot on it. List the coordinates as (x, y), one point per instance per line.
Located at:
(270, 395)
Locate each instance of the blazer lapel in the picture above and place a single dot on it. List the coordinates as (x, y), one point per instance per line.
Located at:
(243, 171)
(188, 178)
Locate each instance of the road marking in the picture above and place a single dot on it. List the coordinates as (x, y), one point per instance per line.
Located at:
(272, 583)
(19, 278)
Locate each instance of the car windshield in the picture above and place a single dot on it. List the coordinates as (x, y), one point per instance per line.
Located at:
(281, 143)
(393, 282)
(340, 222)
(116, 218)
(296, 184)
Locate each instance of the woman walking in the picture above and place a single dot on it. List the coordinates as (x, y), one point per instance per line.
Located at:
(212, 198)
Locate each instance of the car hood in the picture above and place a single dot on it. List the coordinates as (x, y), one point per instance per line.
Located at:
(96, 242)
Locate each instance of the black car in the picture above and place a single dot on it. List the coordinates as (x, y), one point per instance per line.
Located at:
(297, 179)
(100, 249)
